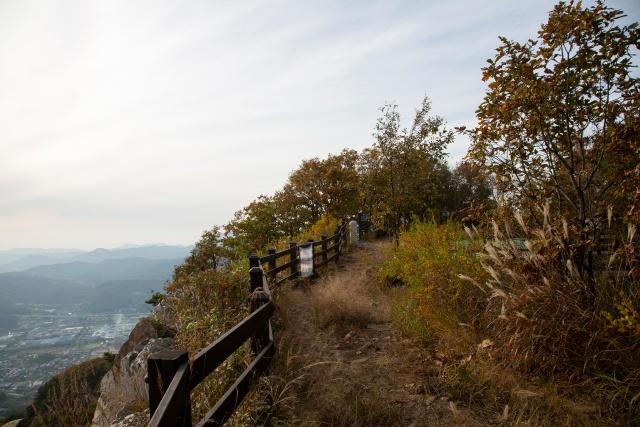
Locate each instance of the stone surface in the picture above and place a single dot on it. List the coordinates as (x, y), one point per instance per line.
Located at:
(123, 388)
(143, 330)
(136, 419)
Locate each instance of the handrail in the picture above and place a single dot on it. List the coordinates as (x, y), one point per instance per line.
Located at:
(208, 359)
(171, 377)
(271, 260)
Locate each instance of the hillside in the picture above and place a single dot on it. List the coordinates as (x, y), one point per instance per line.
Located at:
(115, 295)
(112, 269)
(20, 260)
(23, 288)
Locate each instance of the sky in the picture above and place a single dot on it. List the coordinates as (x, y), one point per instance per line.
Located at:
(137, 122)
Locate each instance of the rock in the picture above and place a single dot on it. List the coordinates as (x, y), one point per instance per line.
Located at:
(143, 330)
(123, 392)
(136, 419)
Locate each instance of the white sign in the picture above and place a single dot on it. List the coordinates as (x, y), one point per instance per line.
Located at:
(354, 232)
(306, 261)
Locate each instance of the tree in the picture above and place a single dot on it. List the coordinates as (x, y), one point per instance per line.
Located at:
(208, 252)
(552, 116)
(289, 205)
(254, 226)
(467, 188)
(401, 169)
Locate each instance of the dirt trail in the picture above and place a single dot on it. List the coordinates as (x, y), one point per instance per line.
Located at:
(348, 363)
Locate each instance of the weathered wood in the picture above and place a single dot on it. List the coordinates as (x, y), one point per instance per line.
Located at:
(227, 405)
(293, 259)
(254, 261)
(273, 256)
(324, 249)
(175, 407)
(217, 352)
(161, 368)
(255, 276)
(272, 273)
(272, 261)
(260, 337)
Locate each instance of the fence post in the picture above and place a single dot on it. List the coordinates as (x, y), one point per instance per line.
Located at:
(292, 257)
(161, 368)
(324, 248)
(272, 263)
(255, 274)
(259, 297)
(254, 260)
(343, 233)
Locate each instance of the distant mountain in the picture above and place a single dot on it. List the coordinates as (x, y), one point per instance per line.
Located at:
(28, 261)
(115, 295)
(22, 288)
(131, 245)
(150, 252)
(158, 270)
(14, 255)
(110, 296)
(51, 251)
(20, 261)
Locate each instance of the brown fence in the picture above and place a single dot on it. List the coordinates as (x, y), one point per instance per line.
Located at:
(324, 251)
(171, 377)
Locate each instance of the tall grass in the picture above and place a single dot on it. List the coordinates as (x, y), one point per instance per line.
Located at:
(545, 318)
(69, 398)
(203, 302)
(514, 324)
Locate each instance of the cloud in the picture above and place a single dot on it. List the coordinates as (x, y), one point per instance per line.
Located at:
(146, 121)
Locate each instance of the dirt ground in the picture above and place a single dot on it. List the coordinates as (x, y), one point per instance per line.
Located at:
(342, 361)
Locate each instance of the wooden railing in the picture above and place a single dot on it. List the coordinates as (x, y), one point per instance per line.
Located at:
(171, 377)
(328, 245)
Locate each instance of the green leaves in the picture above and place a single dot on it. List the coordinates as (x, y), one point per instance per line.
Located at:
(402, 170)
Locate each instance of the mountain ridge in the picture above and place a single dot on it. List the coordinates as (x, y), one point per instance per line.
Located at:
(11, 262)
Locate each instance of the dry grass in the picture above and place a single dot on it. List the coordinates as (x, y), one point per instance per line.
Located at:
(341, 361)
(347, 299)
(316, 378)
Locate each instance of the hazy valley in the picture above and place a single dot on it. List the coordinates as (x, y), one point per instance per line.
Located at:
(61, 307)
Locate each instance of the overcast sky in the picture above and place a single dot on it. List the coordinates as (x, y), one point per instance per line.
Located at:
(151, 121)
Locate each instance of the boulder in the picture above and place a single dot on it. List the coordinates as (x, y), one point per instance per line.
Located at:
(123, 392)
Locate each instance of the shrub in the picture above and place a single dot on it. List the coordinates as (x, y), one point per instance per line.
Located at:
(428, 260)
(69, 398)
(544, 318)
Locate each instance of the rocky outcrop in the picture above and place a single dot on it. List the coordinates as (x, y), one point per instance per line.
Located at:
(136, 419)
(123, 391)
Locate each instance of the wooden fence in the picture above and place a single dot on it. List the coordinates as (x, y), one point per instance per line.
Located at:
(171, 377)
(329, 250)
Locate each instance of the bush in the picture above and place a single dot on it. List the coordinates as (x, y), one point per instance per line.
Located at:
(428, 260)
(69, 398)
(545, 319)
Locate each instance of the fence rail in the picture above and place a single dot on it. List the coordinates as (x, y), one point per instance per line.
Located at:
(171, 377)
(328, 245)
